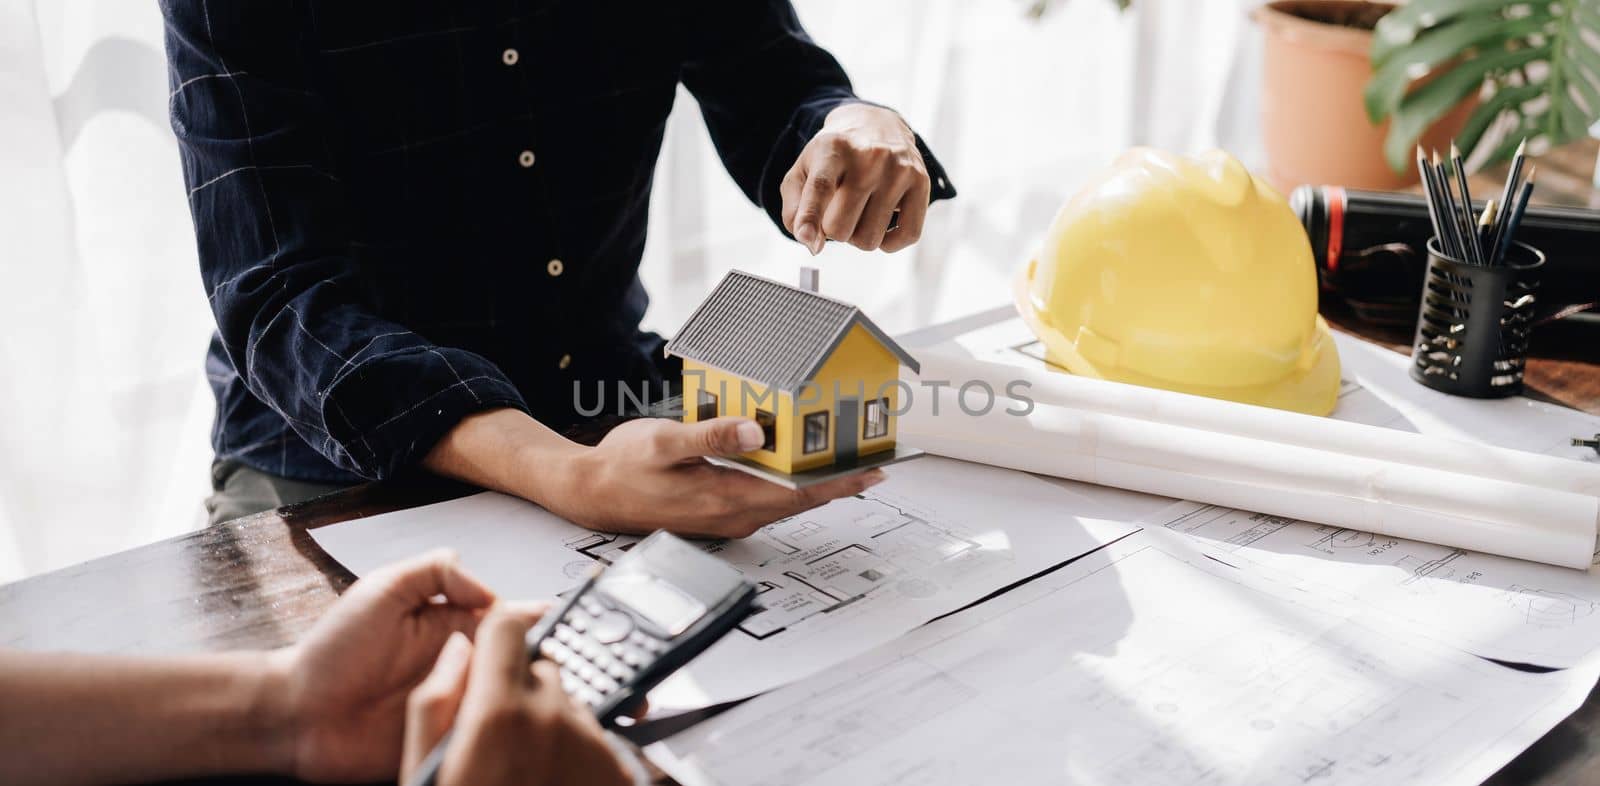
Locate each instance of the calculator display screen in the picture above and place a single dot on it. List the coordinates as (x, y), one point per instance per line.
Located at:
(664, 605)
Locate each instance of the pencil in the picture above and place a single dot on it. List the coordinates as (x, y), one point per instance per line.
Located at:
(1474, 252)
(1513, 175)
(1486, 225)
(1513, 219)
(1431, 197)
(1449, 215)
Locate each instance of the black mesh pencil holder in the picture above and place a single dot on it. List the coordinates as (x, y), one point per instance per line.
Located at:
(1472, 332)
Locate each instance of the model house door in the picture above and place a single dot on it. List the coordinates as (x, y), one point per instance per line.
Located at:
(846, 425)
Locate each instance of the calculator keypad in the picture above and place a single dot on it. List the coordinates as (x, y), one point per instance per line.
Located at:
(598, 649)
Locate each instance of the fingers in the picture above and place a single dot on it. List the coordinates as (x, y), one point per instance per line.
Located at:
(454, 619)
(793, 185)
(844, 212)
(500, 657)
(548, 693)
(728, 436)
(913, 212)
(790, 502)
(415, 582)
(852, 177)
(874, 225)
(431, 707)
(817, 195)
(736, 505)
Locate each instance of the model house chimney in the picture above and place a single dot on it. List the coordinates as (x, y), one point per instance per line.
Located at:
(809, 277)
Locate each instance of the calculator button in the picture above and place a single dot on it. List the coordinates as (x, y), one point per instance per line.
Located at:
(589, 696)
(645, 642)
(550, 648)
(618, 671)
(633, 658)
(618, 648)
(565, 635)
(570, 683)
(611, 627)
(588, 648)
(579, 621)
(591, 605)
(561, 654)
(604, 684)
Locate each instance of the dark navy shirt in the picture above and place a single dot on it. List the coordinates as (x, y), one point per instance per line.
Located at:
(408, 212)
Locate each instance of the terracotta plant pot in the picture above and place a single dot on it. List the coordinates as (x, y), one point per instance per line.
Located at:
(1314, 124)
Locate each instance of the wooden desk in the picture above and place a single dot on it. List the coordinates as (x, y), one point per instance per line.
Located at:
(261, 581)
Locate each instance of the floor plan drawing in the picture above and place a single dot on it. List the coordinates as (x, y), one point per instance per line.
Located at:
(1496, 607)
(821, 560)
(1135, 667)
(832, 581)
(826, 558)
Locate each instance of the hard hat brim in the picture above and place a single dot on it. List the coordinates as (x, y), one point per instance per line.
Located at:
(1313, 390)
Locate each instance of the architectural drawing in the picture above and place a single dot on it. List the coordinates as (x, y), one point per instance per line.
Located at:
(1496, 607)
(1133, 667)
(827, 558)
(1436, 568)
(1334, 539)
(822, 560)
(1204, 521)
(1544, 608)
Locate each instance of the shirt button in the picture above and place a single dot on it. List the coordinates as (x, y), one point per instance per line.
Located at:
(554, 267)
(566, 360)
(509, 57)
(525, 158)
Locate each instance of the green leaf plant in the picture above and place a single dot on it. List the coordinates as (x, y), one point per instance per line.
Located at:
(1534, 63)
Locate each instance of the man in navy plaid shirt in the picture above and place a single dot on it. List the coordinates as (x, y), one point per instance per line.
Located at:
(420, 226)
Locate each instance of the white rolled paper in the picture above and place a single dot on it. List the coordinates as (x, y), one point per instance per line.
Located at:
(1369, 492)
(1274, 425)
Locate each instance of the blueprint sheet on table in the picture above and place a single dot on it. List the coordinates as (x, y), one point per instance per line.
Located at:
(1145, 663)
(1493, 606)
(934, 537)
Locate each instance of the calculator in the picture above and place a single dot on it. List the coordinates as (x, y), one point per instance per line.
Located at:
(627, 629)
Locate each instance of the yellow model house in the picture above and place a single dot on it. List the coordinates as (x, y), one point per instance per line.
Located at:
(819, 377)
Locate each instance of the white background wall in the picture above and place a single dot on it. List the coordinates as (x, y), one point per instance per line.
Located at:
(104, 413)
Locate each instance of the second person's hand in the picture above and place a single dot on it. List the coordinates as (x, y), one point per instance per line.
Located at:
(512, 724)
(345, 683)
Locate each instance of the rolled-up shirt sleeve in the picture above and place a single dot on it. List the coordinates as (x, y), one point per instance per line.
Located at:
(765, 89)
(275, 254)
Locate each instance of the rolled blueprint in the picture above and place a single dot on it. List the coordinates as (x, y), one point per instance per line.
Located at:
(1369, 493)
(1274, 425)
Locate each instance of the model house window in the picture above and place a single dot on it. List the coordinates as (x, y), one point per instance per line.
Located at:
(769, 428)
(816, 432)
(707, 406)
(876, 416)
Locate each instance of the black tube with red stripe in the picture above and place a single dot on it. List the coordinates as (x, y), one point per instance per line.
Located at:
(1369, 249)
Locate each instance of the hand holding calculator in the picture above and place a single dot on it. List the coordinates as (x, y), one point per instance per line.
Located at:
(626, 629)
(643, 618)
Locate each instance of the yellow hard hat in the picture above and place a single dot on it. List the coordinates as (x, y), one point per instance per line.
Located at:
(1186, 274)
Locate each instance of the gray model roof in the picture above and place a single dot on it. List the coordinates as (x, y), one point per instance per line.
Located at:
(771, 333)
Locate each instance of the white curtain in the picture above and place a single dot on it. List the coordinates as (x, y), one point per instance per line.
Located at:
(104, 413)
